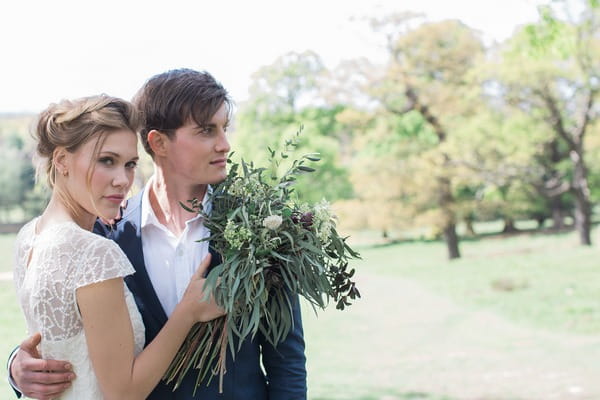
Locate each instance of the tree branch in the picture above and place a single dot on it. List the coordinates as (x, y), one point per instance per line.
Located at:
(555, 119)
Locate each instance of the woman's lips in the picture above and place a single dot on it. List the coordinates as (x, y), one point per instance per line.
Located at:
(116, 198)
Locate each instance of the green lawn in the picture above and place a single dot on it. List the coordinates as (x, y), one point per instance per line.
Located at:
(12, 324)
(545, 282)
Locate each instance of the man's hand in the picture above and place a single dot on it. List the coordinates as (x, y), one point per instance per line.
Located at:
(38, 378)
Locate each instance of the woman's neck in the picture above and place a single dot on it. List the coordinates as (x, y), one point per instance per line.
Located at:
(57, 211)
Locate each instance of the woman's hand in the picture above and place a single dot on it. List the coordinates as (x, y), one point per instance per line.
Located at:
(193, 301)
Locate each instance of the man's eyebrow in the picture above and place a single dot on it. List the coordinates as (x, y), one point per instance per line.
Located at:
(202, 126)
(209, 125)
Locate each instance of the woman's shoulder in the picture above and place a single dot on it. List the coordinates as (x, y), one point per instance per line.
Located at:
(26, 231)
(68, 237)
(91, 243)
(22, 247)
(97, 258)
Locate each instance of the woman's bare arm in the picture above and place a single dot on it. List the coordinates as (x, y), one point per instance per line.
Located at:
(109, 336)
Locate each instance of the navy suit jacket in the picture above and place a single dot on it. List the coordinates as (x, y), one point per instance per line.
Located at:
(284, 374)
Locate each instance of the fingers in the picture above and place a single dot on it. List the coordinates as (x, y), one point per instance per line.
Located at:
(30, 344)
(45, 392)
(38, 378)
(46, 367)
(202, 268)
(46, 385)
(211, 311)
(49, 378)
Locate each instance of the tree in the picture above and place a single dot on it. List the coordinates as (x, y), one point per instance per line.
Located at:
(429, 73)
(283, 98)
(17, 175)
(557, 84)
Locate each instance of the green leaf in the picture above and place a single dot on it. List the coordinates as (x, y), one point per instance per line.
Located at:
(312, 157)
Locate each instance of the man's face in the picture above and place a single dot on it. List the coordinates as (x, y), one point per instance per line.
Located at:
(198, 154)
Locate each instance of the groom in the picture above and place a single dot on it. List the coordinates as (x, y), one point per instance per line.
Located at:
(187, 114)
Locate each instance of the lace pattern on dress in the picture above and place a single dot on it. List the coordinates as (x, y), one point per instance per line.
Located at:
(49, 268)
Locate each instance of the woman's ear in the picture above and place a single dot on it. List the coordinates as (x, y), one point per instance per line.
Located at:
(157, 142)
(61, 162)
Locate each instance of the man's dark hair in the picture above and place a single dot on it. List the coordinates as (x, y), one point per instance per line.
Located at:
(169, 100)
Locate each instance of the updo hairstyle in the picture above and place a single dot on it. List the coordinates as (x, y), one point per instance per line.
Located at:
(71, 123)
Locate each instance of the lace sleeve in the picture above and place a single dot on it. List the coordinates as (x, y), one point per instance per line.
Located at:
(21, 251)
(101, 260)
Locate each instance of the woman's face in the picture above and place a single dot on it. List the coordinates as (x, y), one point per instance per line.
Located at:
(112, 173)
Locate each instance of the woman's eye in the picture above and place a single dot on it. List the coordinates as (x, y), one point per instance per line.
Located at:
(131, 164)
(107, 161)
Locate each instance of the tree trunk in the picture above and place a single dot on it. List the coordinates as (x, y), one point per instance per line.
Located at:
(509, 225)
(540, 221)
(583, 208)
(583, 220)
(451, 239)
(445, 202)
(445, 197)
(558, 213)
(469, 226)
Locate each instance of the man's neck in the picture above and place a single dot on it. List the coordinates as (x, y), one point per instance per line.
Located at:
(165, 196)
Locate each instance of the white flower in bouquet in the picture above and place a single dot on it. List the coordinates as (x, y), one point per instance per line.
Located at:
(272, 222)
(324, 220)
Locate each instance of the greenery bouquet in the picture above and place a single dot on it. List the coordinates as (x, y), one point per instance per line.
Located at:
(273, 248)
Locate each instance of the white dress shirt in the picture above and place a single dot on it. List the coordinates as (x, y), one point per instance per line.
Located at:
(170, 260)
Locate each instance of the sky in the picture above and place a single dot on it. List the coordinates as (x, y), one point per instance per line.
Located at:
(55, 49)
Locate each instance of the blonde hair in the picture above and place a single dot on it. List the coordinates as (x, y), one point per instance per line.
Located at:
(70, 124)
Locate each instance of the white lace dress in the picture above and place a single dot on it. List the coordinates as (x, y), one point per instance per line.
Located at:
(65, 257)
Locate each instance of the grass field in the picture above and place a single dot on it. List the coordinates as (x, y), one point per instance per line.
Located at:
(546, 281)
(543, 283)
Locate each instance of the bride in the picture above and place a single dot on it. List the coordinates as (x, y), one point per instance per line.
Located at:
(70, 281)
